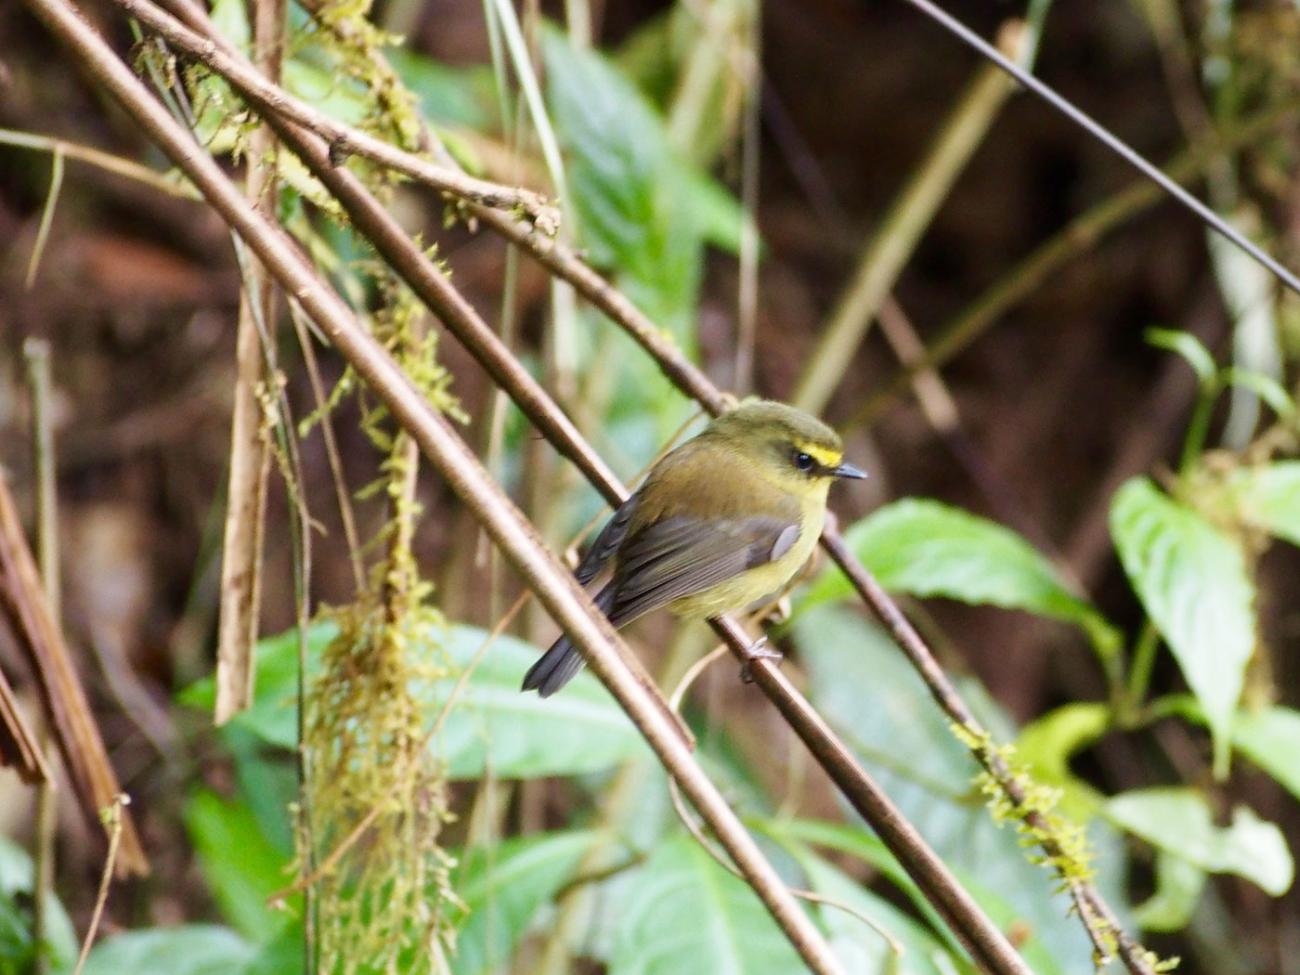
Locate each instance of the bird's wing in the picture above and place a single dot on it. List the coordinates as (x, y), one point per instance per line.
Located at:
(684, 555)
(607, 542)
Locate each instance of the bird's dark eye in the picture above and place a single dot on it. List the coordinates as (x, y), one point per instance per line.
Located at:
(803, 461)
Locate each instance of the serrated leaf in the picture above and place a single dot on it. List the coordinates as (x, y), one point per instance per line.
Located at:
(1192, 580)
(683, 914)
(1268, 497)
(503, 887)
(1271, 739)
(926, 548)
(1179, 821)
(492, 725)
(191, 949)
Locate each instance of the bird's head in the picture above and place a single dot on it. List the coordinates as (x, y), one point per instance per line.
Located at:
(786, 445)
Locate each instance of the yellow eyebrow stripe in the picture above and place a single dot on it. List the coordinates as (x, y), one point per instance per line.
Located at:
(823, 456)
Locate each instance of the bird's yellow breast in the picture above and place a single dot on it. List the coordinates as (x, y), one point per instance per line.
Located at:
(759, 584)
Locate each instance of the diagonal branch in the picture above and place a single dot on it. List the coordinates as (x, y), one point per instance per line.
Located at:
(344, 140)
(554, 585)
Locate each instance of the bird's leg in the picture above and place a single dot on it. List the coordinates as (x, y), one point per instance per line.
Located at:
(758, 651)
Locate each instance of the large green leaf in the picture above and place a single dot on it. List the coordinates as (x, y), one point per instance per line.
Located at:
(683, 914)
(1268, 497)
(192, 949)
(1271, 739)
(926, 548)
(875, 700)
(1179, 821)
(641, 209)
(858, 842)
(1192, 580)
(239, 884)
(491, 725)
(859, 947)
(16, 948)
(503, 887)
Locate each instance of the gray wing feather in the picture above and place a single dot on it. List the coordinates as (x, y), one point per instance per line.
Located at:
(683, 556)
(606, 543)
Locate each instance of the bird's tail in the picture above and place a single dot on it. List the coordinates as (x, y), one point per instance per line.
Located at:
(557, 666)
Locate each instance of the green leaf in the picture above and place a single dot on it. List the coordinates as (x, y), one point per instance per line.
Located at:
(503, 887)
(1192, 580)
(16, 948)
(239, 884)
(861, 948)
(1178, 888)
(641, 209)
(492, 725)
(449, 95)
(193, 949)
(1179, 821)
(1268, 497)
(870, 694)
(1265, 387)
(1047, 744)
(1188, 346)
(926, 548)
(683, 914)
(857, 841)
(1271, 739)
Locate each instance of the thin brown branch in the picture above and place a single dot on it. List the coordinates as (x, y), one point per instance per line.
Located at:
(113, 818)
(269, 98)
(27, 612)
(554, 585)
(942, 690)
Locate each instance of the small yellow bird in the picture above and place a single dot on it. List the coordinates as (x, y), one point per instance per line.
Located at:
(723, 522)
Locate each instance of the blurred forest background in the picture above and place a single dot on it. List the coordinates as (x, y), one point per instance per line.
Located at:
(805, 230)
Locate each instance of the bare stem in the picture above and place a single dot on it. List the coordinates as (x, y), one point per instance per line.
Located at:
(112, 817)
(37, 354)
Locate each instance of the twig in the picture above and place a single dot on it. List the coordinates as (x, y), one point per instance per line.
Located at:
(25, 609)
(911, 213)
(1107, 138)
(341, 494)
(554, 585)
(687, 820)
(112, 817)
(96, 157)
(942, 690)
(47, 217)
(36, 352)
(1077, 236)
(344, 140)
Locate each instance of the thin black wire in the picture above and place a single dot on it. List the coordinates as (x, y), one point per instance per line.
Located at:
(1101, 133)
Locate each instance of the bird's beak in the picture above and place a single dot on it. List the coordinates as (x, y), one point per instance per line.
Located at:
(848, 470)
